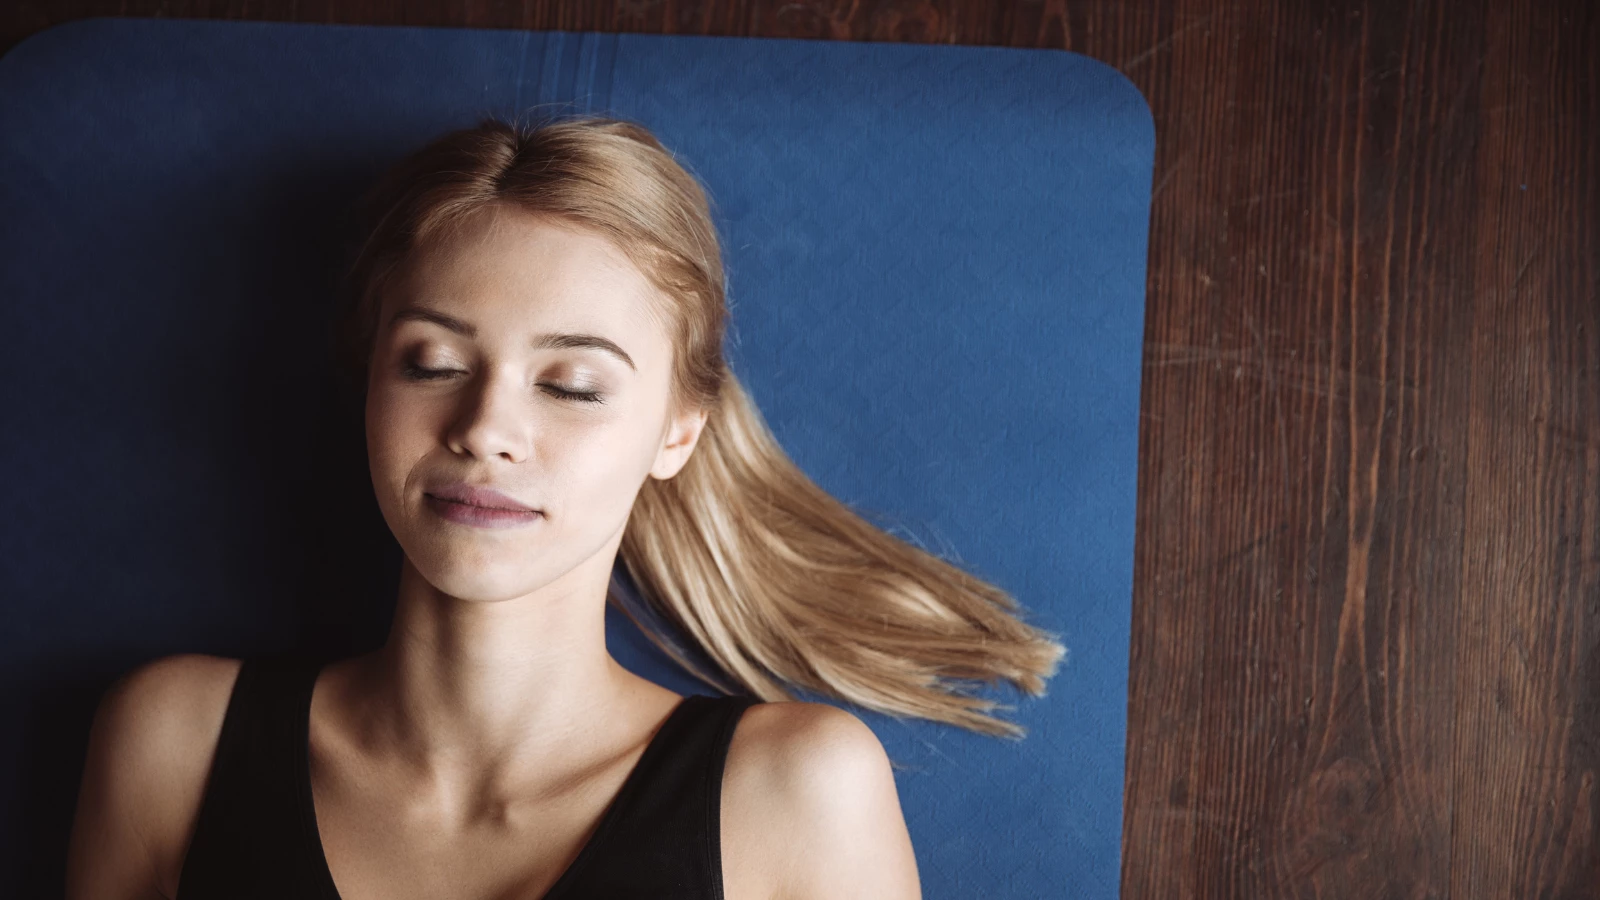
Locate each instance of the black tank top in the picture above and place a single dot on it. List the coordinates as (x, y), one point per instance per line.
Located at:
(256, 836)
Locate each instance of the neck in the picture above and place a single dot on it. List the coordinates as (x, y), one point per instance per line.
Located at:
(483, 686)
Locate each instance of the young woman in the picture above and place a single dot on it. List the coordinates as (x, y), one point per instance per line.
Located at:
(536, 315)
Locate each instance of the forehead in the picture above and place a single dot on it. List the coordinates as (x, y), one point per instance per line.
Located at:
(506, 265)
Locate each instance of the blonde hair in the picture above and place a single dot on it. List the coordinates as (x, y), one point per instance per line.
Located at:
(781, 584)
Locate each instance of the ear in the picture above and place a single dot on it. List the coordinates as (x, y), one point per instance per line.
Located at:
(682, 434)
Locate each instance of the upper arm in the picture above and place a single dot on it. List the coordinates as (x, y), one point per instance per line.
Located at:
(149, 750)
(811, 797)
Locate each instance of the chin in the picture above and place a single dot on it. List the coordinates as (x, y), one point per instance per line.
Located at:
(471, 572)
(480, 587)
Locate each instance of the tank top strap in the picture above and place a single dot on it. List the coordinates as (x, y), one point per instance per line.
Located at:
(250, 838)
(661, 836)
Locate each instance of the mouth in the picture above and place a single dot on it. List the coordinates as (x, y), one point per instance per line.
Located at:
(477, 516)
(478, 505)
(465, 494)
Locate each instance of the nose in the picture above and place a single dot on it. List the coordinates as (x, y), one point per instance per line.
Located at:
(494, 419)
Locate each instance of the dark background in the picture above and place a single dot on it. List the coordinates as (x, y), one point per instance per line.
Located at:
(1367, 600)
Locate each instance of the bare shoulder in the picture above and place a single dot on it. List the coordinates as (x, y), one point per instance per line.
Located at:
(811, 746)
(163, 710)
(150, 749)
(810, 809)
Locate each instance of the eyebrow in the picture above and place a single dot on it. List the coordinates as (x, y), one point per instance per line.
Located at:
(549, 341)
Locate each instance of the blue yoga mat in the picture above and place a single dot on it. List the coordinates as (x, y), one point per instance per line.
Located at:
(936, 262)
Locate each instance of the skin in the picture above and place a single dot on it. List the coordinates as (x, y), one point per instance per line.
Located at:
(472, 755)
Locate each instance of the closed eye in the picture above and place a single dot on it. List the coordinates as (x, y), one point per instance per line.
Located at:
(580, 396)
(414, 372)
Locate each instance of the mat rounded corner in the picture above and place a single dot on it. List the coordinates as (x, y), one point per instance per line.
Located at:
(1129, 96)
(48, 41)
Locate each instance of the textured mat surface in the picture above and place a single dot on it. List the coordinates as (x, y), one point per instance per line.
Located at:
(936, 258)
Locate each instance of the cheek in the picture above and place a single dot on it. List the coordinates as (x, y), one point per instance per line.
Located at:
(397, 435)
(596, 467)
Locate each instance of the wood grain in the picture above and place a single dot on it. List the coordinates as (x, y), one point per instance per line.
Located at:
(1528, 698)
(1367, 597)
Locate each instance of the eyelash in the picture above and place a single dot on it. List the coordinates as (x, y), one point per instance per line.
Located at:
(415, 372)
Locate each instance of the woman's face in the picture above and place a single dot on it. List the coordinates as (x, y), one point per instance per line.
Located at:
(526, 356)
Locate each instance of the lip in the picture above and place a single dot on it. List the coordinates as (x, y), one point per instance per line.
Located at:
(471, 495)
(479, 507)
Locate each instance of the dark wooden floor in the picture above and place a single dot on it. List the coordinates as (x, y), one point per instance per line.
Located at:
(1367, 606)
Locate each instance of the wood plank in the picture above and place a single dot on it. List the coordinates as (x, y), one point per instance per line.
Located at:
(1529, 733)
